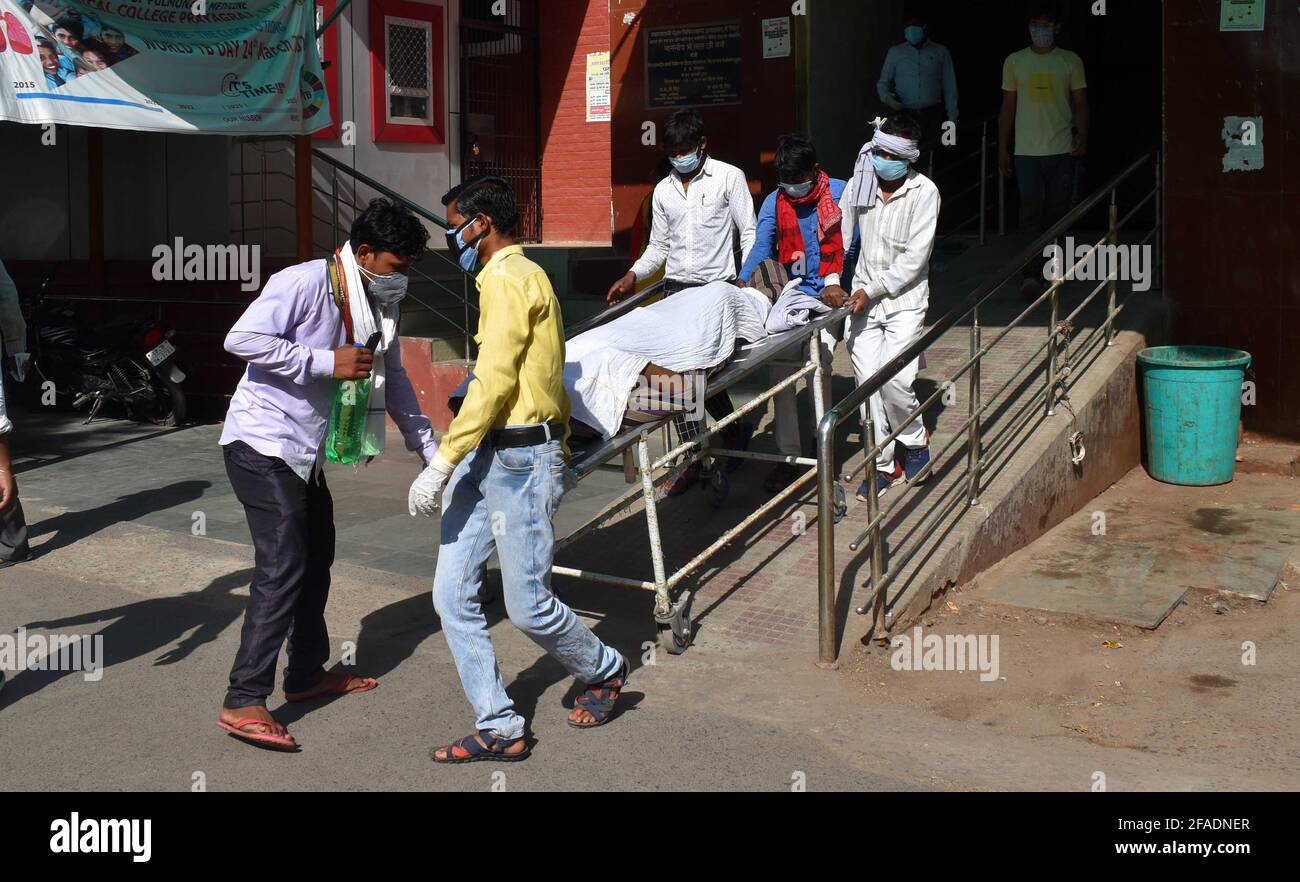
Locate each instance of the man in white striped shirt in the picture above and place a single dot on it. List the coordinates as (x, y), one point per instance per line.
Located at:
(698, 212)
(892, 210)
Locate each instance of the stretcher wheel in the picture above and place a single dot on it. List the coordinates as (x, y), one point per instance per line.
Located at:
(718, 486)
(671, 643)
(839, 503)
(675, 630)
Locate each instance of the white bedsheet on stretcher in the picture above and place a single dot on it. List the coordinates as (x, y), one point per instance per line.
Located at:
(694, 329)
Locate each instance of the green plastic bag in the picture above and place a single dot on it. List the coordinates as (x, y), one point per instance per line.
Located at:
(348, 442)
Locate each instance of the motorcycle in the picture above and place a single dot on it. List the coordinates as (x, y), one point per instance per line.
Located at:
(125, 361)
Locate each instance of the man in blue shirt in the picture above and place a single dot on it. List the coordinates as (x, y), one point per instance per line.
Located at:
(799, 226)
(919, 77)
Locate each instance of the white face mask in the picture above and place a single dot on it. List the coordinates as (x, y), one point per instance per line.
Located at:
(1043, 37)
(388, 289)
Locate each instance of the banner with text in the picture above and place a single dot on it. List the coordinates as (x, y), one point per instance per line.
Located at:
(221, 66)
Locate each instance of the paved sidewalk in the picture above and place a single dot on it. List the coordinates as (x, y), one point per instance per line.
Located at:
(174, 479)
(113, 510)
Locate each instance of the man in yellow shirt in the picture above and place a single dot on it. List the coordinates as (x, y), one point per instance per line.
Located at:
(503, 467)
(1045, 102)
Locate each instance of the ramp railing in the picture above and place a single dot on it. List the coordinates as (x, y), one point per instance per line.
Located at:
(1050, 356)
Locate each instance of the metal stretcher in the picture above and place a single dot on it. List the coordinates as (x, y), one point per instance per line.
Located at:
(795, 349)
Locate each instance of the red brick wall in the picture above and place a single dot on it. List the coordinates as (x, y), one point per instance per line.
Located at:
(575, 153)
(743, 135)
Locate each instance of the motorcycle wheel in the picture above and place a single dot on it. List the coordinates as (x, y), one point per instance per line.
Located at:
(170, 409)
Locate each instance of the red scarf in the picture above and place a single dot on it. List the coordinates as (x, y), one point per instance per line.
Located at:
(830, 238)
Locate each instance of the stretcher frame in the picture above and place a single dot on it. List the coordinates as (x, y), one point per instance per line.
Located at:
(632, 444)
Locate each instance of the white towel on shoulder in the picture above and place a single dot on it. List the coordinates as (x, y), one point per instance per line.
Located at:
(367, 318)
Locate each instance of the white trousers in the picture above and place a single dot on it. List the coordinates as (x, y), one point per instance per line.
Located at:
(785, 429)
(874, 339)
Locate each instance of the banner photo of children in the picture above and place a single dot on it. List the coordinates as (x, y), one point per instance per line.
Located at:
(74, 44)
(243, 66)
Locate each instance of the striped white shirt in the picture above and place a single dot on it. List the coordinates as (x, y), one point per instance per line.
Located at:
(895, 239)
(691, 232)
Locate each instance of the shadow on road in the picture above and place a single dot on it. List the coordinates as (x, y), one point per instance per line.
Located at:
(176, 625)
(73, 526)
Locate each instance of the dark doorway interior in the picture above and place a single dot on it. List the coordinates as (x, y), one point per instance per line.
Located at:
(499, 102)
(1122, 54)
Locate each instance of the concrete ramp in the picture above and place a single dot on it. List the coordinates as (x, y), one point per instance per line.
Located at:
(1134, 552)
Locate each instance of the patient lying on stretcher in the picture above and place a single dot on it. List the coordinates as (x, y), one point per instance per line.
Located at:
(657, 359)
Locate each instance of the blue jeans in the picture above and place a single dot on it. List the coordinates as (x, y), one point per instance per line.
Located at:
(504, 500)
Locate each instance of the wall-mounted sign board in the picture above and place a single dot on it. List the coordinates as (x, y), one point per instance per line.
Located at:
(693, 66)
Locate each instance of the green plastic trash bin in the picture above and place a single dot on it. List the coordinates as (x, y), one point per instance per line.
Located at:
(1192, 396)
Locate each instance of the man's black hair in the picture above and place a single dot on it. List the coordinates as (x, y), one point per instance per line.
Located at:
(386, 225)
(72, 26)
(1043, 10)
(489, 195)
(795, 158)
(902, 124)
(683, 131)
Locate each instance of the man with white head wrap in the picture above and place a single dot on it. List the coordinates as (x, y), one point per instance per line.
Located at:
(891, 211)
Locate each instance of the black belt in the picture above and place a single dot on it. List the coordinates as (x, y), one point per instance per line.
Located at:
(672, 286)
(525, 436)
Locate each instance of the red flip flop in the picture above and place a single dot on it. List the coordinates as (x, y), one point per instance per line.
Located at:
(345, 687)
(261, 739)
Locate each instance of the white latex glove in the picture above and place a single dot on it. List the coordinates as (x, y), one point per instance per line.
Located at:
(426, 492)
(19, 371)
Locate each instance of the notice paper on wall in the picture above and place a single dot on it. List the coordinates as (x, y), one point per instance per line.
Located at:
(598, 90)
(776, 37)
(1241, 15)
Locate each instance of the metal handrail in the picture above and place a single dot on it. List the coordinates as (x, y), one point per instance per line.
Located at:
(380, 188)
(336, 166)
(986, 147)
(336, 199)
(972, 428)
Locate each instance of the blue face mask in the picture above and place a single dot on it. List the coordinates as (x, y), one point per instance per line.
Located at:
(889, 169)
(1043, 37)
(797, 191)
(914, 34)
(684, 165)
(466, 252)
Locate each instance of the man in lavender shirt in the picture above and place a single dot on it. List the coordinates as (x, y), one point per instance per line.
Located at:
(294, 340)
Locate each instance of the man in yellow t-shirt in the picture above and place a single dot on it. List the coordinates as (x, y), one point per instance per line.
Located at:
(1045, 103)
(502, 463)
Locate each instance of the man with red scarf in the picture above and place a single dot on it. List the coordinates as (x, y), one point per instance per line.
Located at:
(799, 226)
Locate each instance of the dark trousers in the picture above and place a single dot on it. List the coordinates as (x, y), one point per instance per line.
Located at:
(13, 535)
(292, 524)
(719, 407)
(1046, 190)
